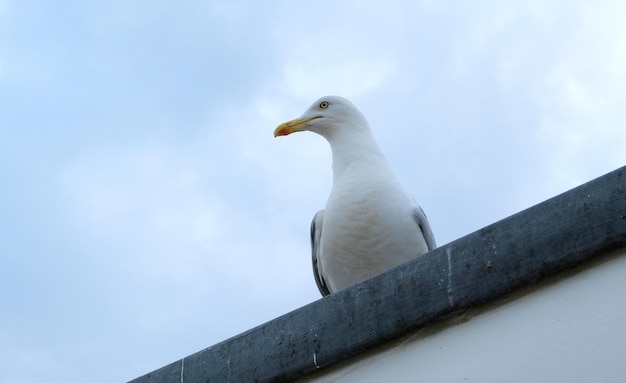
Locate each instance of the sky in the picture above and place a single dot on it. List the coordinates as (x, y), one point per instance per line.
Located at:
(146, 210)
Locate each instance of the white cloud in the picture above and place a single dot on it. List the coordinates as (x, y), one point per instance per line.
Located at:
(153, 197)
(582, 97)
(309, 79)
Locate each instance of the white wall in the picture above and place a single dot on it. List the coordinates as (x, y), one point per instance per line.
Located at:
(573, 330)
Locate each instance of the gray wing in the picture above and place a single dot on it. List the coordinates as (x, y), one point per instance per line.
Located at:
(422, 222)
(316, 234)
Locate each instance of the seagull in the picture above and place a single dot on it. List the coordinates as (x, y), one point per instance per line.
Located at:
(370, 223)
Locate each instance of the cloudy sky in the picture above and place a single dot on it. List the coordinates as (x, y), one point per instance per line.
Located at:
(147, 211)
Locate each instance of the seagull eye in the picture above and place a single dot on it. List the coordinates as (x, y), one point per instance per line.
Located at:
(324, 104)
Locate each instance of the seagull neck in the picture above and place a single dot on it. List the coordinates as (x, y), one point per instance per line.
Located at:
(356, 154)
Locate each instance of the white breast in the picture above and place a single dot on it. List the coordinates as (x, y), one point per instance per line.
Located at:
(368, 228)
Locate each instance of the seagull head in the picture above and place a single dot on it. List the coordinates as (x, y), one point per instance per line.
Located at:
(327, 116)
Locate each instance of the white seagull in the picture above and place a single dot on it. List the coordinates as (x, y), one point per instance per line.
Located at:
(370, 223)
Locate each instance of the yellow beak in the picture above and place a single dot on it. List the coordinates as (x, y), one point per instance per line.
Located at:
(297, 125)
